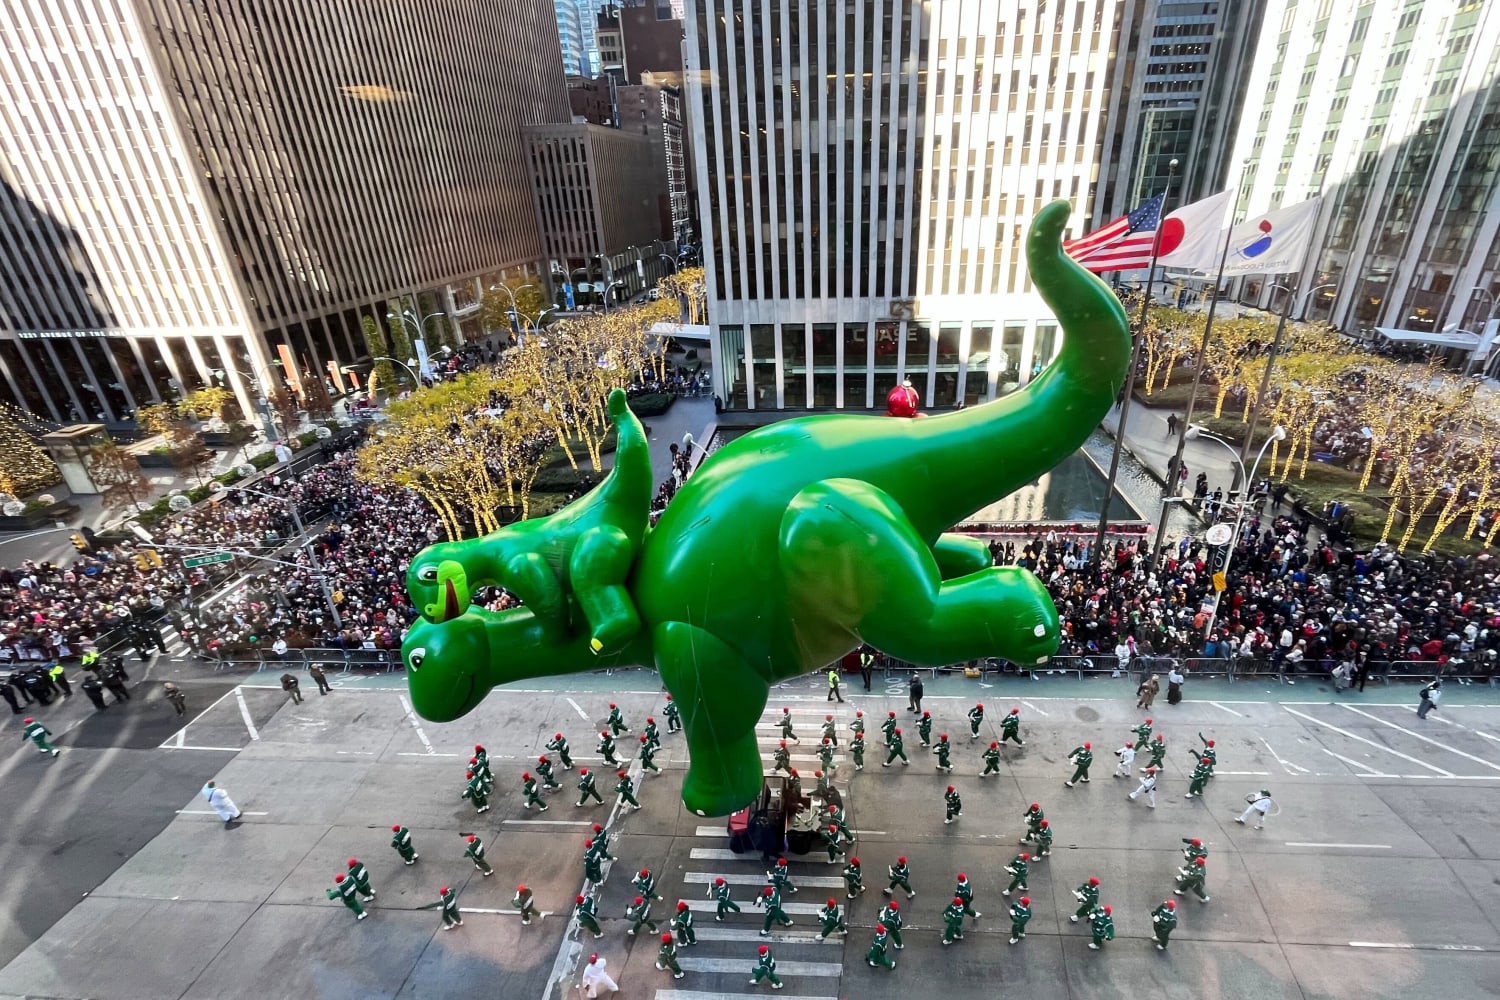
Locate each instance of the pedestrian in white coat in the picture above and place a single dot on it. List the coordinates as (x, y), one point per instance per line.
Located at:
(596, 981)
(1127, 760)
(220, 802)
(1259, 806)
(1147, 788)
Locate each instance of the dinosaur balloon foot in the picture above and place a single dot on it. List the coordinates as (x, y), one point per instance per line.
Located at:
(719, 794)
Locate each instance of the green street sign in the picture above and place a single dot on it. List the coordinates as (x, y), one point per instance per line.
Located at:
(208, 560)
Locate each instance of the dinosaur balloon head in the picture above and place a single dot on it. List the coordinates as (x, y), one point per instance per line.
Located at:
(438, 583)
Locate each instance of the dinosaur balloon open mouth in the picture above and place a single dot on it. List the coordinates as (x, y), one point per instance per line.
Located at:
(451, 610)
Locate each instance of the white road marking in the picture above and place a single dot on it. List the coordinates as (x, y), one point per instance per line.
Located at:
(356, 753)
(412, 715)
(1257, 774)
(1354, 763)
(751, 935)
(718, 854)
(245, 714)
(711, 831)
(1029, 705)
(181, 740)
(1377, 746)
(581, 713)
(547, 822)
(1375, 847)
(500, 912)
(189, 747)
(1414, 947)
(1455, 725)
(177, 738)
(1287, 765)
(1231, 711)
(816, 881)
(210, 812)
(429, 753)
(701, 995)
(1441, 746)
(692, 963)
(757, 915)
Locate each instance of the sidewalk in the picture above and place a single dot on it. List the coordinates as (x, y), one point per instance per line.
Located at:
(1147, 439)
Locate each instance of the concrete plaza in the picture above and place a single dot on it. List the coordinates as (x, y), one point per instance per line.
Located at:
(1376, 878)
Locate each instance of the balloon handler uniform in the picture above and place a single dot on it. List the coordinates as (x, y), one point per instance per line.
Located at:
(544, 771)
(586, 912)
(825, 755)
(344, 890)
(673, 714)
(1082, 758)
(361, 878)
(523, 902)
(785, 722)
(616, 722)
(953, 921)
(606, 749)
(639, 914)
(1158, 751)
(475, 852)
(474, 791)
(648, 756)
(1163, 921)
(854, 878)
(991, 760)
(1102, 927)
(1010, 728)
(765, 968)
(1087, 895)
(666, 957)
(720, 892)
(1043, 840)
(448, 901)
(830, 730)
(1201, 774)
(528, 788)
(1142, 734)
(954, 803)
(1194, 877)
(559, 745)
(832, 841)
(37, 734)
(771, 900)
(625, 789)
(924, 729)
(857, 751)
(652, 734)
(898, 749)
(858, 725)
(1033, 817)
(942, 750)
(645, 884)
(1019, 871)
(964, 890)
(900, 876)
(890, 915)
(780, 876)
(401, 841)
(888, 728)
(1020, 913)
(1192, 850)
(976, 719)
(586, 788)
(877, 954)
(830, 919)
(782, 758)
(682, 923)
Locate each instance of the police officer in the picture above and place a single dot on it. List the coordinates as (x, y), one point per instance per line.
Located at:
(316, 670)
(114, 678)
(9, 694)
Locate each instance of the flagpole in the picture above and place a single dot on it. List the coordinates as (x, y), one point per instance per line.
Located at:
(1171, 489)
(1135, 360)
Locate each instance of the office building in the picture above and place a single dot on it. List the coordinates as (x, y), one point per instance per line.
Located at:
(571, 38)
(199, 194)
(656, 112)
(867, 170)
(588, 26)
(1392, 112)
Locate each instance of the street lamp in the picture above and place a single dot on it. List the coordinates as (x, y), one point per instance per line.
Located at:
(261, 385)
(306, 544)
(1314, 291)
(414, 380)
(1278, 433)
(407, 316)
(516, 310)
(670, 260)
(612, 286)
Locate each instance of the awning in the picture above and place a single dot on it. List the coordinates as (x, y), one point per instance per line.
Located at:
(1462, 341)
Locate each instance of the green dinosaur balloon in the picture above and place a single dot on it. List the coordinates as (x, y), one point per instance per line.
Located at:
(786, 549)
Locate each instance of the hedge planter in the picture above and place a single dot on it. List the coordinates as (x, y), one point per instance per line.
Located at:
(42, 517)
(151, 460)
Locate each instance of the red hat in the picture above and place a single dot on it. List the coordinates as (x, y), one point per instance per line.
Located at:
(785, 710)
(472, 838)
(898, 730)
(1025, 900)
(589, 842)
(794, 770)
(542, 759)
(1107, 911)
(558, 736)
(583, 770)
(859, 714)
(893, 905)
(578, 900)
(764, 949)
(832, 901)
(611, 704)
(525, 775)
(783, 744)
(1093, 881)
(769, 890)
(1025, 856)
(781, 861)
(1207, 760)
(1044, 824)
(901, 860)
(479, 748)
(667, 937)
(827, 741)
(958, 901)
(604, 732)
(1159, 737)
(950, 788)
(521, 888)
(1015, 711)
(926, 715)
(643, 738)
(638, 901)
(619, 774)
(880, 928)
(943, 738)
(718, 881)
(396, 828)
(339, 877)
(833, 828)
(1171, 904)
(598, 828)
(1035, 806)
(1088, 746)
(819, 773)
(468, 774)
(645, 872)
(891, 714)
(1210, 742)
(854, 861)
(962, 877)
(650, 720)
(28, 720)
(445, 890)
(994, 745)
(1148, 722)
(353, 862)
(473, 760)
(1198, 861)
(828, 717)
(681, 907)
(1197, 842)
(669, 697)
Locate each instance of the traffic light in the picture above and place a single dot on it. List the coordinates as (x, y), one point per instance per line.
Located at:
(79, 542)
(154, 557)
(141, 561)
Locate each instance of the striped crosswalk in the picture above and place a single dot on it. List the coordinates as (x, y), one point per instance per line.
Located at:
(726, 952)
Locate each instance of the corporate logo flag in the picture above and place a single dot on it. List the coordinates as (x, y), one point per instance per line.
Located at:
(1274, 242)
(1193, 236)
(1121, 245)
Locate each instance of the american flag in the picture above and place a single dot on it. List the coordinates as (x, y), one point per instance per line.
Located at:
(1122, 245)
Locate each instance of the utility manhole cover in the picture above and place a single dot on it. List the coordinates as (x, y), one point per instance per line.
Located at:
(1084, 714)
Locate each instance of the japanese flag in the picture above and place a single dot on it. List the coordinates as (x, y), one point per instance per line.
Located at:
(1192, 237)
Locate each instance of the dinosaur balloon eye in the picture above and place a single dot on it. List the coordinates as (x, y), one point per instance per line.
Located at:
(427, 574)
(415, 658)
(1039, 631)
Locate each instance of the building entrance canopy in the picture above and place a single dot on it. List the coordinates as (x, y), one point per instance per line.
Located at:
(1455, 339)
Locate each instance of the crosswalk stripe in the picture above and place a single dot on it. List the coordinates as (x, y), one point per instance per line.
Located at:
(816, 881)
(701, 995)
(792, 909)
(800, 758)
(692, 964)
(711, 831)
(718, 854)
(751, 935)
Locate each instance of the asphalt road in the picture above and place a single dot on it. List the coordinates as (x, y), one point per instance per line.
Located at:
(1375, 879)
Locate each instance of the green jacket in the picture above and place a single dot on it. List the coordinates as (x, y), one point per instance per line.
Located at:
(1164, 917)
(1103, 926)
(1019, 913)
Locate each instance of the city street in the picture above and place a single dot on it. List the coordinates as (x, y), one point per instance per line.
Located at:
(1373, 877)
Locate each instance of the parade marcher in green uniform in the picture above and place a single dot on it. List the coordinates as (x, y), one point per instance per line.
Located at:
(593, 868)
(639, 914)
(361, 878)
(606, 748)
(831, 918)
(1020, 913)
(857, 751)
(1158, 751)
(836, 818)
(964, 890)
(475, 792)
(652, 734)
(900, 875)
(1192, 850)
(448, 900)
(1208, 749)
(991, 760)
(771, 900)
(831, 840)
(794, 788)
(877, 954)
(887, 728)
(1163, 921)
(924, 729)
(825, 754)
(1143, 734)
(475, 851)
(1019, 871)
(480, 764)
(648, 756)
(625, 788)
(1043, 839)
(953, 921)
(482, 775)
(544, 771)
(780, 876)
(782, 757)
(673, 714)
(1194, 877)
(559, 745)
(682, 923)
(890, 915)
(1087, 895)
(528, 788)
(1010, 728)
(586, 912)
(830, 730)
(720, 891)
(586, 788)
(666, 957)
(955, 805)
(601, 842)
(1102, 927)
(1082, 758)
(897, 749)
(854, 878)
(523, 902)
(37, 734)
(1201, 774)
(785, 722)
(401, 841)
(858, 725)
(942, 750)
(1033, 817)
(645, 884)
(824, 786)
(616, 721)
(976, 719)
(765, 968)
(345, 891)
